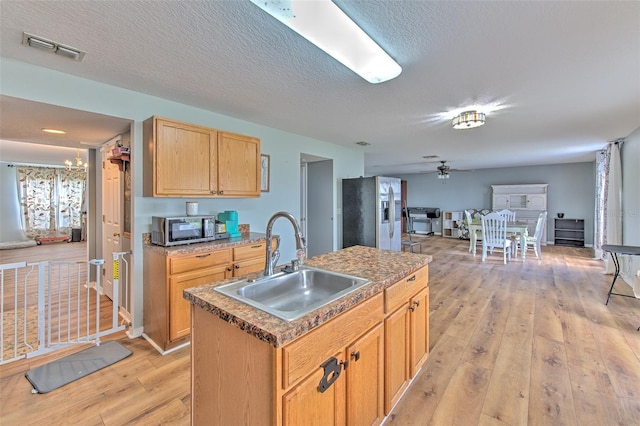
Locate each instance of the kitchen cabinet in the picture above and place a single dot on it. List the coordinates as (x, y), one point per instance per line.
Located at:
(361, 376)
(166, 313)
(281, 385)
(187, 160)
(406, 333)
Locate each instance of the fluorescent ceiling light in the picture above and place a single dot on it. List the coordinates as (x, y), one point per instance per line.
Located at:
(55, 131)
(329, 28)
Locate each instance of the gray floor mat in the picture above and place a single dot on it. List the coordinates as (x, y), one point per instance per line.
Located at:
(73, 367)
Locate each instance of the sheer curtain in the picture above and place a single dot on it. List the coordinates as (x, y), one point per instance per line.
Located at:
(51, 199)
(608, 217)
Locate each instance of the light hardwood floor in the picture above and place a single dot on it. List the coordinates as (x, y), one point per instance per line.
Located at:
(519, 344)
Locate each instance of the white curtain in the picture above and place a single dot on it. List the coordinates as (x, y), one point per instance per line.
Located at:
(51, 200)
(613, 203)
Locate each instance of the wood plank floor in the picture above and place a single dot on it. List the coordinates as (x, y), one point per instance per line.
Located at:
(520, 344)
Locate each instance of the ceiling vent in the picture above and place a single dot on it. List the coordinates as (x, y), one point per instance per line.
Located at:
(52, 46)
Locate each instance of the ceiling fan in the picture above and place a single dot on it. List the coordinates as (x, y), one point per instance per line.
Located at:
(444, 170)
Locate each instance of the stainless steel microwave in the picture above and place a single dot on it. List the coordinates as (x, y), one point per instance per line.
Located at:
(172, 231)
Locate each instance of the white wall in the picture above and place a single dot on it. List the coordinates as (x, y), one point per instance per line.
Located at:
(571, 190)
(630, 157)
(39, 84)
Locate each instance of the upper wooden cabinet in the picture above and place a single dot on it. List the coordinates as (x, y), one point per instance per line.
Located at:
(185, 160)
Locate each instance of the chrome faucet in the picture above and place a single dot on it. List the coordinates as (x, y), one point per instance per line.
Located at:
(272, 257)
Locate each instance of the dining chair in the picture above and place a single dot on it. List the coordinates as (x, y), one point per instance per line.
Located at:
(494, 236)
(410, 231)
(536, 240)
(509, 214)
(469, 221)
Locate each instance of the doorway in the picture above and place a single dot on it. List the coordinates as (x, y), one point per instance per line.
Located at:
(317, 203)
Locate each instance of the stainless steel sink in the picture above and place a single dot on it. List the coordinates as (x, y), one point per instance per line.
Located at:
(292, 295)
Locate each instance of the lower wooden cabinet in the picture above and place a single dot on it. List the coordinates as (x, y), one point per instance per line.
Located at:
(305, 405)
(166, 313)
(406, 334)
(365, 379)
(361, 374)
(179, 316)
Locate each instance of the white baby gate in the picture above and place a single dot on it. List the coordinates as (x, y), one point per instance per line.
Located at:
(51, 305)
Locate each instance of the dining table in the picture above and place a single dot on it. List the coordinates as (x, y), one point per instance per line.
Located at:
(518, 228)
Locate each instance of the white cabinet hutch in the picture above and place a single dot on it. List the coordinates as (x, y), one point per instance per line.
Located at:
(528, 201)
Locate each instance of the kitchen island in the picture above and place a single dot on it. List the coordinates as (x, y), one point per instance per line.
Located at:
(350, 359)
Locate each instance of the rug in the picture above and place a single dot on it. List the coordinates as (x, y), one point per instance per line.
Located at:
(73, 367)
(10, 245)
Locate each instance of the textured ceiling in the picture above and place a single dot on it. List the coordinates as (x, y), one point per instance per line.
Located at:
(567, 74)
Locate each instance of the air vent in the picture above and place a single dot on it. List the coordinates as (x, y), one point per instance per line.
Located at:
(52, 46)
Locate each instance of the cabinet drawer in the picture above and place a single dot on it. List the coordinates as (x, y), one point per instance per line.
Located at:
(400, 292)
(305, 354)
(250, 251)
(195, 261)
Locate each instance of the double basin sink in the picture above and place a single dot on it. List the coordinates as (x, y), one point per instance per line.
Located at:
(290, 295)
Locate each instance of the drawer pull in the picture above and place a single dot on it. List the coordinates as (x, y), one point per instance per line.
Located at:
(258, 246)
(413, 278)
(203, 255)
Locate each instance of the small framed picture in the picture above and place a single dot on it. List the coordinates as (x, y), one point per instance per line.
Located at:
(265, 165)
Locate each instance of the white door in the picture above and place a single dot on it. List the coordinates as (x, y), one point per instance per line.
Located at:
(111, 218)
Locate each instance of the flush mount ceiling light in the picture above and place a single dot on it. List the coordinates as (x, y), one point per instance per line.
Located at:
(329, 28)
(52, 46)
(468, 120)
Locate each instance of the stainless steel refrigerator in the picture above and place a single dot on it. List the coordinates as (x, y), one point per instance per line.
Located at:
(371, 212)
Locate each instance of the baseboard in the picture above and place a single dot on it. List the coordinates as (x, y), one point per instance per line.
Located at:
(159, 349)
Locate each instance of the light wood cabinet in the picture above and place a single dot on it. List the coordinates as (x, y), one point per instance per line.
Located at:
(166, 313)
(406, 333)
(186, 160)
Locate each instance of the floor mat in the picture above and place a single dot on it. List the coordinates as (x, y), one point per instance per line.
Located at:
(73, 367)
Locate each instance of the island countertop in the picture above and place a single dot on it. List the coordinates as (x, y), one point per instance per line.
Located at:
(382, 267)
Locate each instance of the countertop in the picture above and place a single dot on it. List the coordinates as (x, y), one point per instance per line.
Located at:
(251, 237)
(381, 267)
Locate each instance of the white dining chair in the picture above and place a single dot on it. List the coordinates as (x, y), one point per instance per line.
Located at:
(536, 240)
(494, 236)
(469, 220)
(509, 214)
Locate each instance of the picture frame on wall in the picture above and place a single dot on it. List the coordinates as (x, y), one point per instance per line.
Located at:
(265, 166)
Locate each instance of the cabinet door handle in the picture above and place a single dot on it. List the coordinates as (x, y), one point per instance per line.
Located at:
(332, 369)
(237, 266)
(228, 268)
(416, 302)
(413, 278)
(221, 192)
(412, 308)
(355, 355)
(203, 255)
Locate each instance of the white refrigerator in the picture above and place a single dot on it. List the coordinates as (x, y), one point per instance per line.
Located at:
(371, 212)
